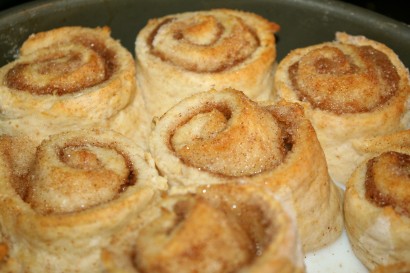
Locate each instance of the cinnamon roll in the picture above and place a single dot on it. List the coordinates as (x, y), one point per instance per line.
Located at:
(352, 88)
(377, 206)
(219, 229)
(223, 137)
(71, 78)
(79, 189)
(182, 54)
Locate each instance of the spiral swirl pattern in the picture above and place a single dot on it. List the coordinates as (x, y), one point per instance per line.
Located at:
(63, 70)
(214, 138)
(219, 229)
(64, 61)
(195, 51)
(377, 205)
(74, 173)
(387, 180)
(352, 89)
(80, 189)
(71, 78)
(204, 43)
(223, 137)
(345, 78)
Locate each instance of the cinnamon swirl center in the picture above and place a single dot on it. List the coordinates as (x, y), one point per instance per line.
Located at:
(203, 43)
(345, 78)
(235, 138)
(387, 181)
(74, 176)
(200, 235)
(63, 68)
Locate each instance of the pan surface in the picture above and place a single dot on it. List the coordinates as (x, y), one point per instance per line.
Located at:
(303, 22)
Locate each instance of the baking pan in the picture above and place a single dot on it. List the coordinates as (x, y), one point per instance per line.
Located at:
(302, 22)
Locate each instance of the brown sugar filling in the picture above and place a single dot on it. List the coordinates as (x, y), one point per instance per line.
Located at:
(84, 179)
(75, 156)
(214, 140)
(64, 72)
(345, 78)
(388, 180)
(200, 235)
(202, 54)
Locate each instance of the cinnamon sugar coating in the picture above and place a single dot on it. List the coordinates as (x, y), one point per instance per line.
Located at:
(387, 180)
(181, 54)
(352, 89)
(71, 78)
(376, 205)
(62, 202)
(218, 229)
(223, 137)
(230, 128)
(345, 78)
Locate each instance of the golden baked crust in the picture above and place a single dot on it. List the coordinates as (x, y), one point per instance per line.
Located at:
(352, 89)
(79, 189)
(185, 53)
(219, 229)
(70, 78)
(377, 207)
(222, 137)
